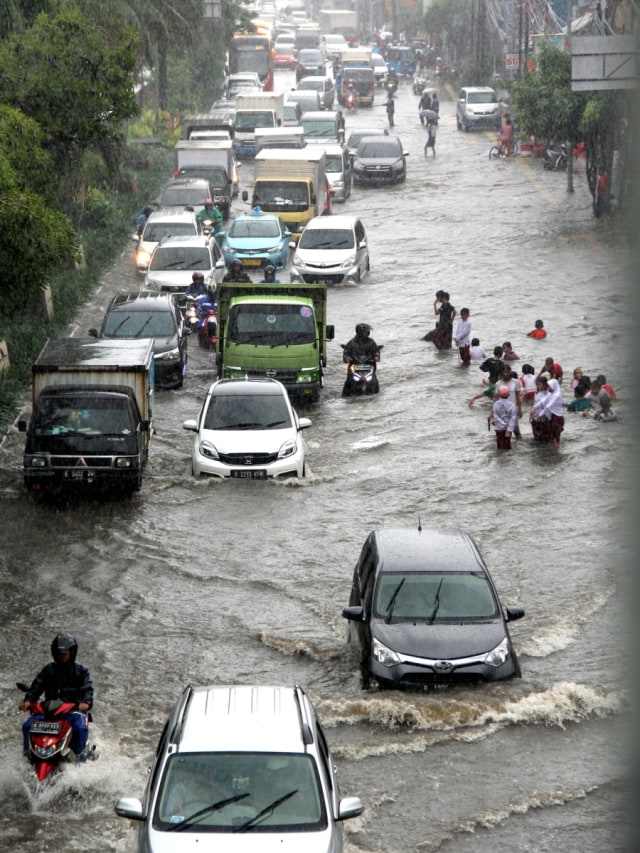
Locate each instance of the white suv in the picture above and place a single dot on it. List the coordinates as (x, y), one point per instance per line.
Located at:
(242, 769)
(159, 225)
(478, 107)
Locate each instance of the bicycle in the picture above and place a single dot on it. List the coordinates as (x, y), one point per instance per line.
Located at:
(498, 151)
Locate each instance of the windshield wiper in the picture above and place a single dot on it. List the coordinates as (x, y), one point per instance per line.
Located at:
(273, 424)
(436, 603)
(142, 328)
(214, 807)
(120, 325)
(392, 602)
(245, 425)
(265, 811)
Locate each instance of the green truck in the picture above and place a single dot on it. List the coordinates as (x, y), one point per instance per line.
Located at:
(274, 330)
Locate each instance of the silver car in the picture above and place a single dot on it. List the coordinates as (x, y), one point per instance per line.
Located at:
(331, 249)
(241, 769)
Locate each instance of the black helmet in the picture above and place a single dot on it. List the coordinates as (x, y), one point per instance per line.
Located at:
(236, 263)
(197, 276)
(64, 643)
(361, 328)
(269, 271)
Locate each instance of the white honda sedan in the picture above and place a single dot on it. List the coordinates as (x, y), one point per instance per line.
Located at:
(248, 429)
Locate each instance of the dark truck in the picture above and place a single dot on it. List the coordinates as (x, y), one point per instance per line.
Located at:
(92, 416)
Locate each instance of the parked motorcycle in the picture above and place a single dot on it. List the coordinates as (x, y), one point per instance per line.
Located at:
(50, 736)
(555, 158)
(362, 376)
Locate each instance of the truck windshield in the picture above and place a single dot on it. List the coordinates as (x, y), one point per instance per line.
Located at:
(277, 196)
(271, 324)
(249, 121)
(83, 415)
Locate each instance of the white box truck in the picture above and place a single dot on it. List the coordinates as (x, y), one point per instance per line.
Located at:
(253, 110)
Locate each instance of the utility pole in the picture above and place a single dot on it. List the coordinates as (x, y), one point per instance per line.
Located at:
(570, 142)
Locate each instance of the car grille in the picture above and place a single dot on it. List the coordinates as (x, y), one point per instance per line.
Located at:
(322, 278)
(72, 461)
(241, 459)
(287, 377)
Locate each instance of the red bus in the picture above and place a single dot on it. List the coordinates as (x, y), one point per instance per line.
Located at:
(252, 52)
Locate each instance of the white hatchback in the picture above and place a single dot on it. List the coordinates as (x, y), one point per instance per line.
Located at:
(331, 249)
(247, 429)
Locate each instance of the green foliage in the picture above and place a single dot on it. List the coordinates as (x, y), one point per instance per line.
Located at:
(21, 148)
(542, 101)
(156, 124)
(78, 86)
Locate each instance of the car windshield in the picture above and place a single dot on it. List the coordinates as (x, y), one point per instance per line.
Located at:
(358, 75)
(319, 127)
(240, 792)
(316, 85)
(254, 228)
(271, 323)
(87, 416)
(165, 258)
(182, 196)
(310, 57)
(378, 149)
(481, 98)
(139, 324)
(354, 139)
(247, 411)
(334, 163)
(327, 238)
(155, 232)
(434, 596)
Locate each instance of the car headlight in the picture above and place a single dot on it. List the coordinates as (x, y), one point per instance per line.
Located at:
(287, 449)
(143, 257)
(207, 449)
(296, 259)
(274, 250)
(497, 656)
(384, 655)
(397, 166)
(169, 355)
(38, 462)
(349, 262)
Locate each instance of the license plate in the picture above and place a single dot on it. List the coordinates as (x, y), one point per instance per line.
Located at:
(39, 727)
(257, 474)
(362, 368)
(75, 474)
(252, 262)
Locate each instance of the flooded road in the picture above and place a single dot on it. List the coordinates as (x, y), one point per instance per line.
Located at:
(218, 582)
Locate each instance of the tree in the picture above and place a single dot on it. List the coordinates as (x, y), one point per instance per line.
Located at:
(78, 87)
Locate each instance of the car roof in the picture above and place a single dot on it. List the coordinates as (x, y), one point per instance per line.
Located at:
(246, 718)
(242, 217)
(369, 131)
(235, 387)
(430, 549)
(333, 222)
(141, 300)
(477, 89)
(198, 241)
(319, 115)
(171, 215)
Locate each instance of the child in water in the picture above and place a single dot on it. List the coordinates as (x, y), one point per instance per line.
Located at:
(539, 332)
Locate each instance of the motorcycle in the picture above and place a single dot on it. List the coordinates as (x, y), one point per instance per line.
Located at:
(208, 329)
(50, 736)
(555, 158)
(419, 84)
(362, 376)
(391, 87)
(351, 101)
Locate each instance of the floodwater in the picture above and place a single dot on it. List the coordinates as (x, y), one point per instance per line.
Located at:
(219, 582)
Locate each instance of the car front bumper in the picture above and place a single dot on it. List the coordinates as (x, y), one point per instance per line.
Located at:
(413, 671)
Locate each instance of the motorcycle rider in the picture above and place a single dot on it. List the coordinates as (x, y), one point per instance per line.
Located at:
(236, 272)
(361, 347)
(197, 287)
(63, 680)
(211, 212)
(269, 276)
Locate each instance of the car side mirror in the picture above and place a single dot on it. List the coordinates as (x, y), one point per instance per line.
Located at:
(514, 613)
(22, 426)
(330, 332)
(93, 333)
(356, 614)
(144, 426)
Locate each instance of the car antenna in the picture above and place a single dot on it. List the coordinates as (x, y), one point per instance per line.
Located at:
(419, 525)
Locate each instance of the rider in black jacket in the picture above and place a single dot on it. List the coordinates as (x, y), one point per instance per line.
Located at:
(63, 680)
(362, 346)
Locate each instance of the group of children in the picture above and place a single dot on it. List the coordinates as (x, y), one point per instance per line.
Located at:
(507, 391)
